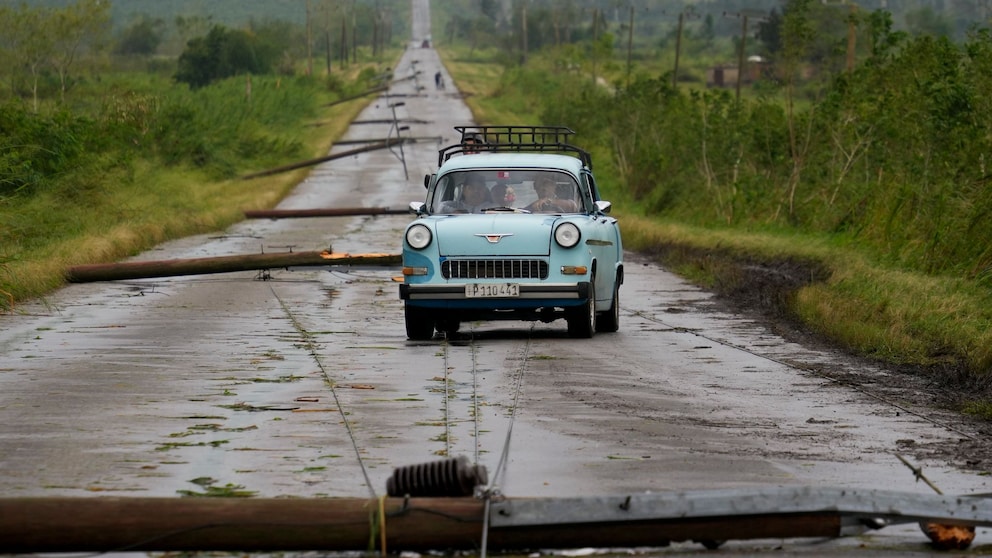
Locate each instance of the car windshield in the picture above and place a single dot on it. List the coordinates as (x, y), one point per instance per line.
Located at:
(476, 191)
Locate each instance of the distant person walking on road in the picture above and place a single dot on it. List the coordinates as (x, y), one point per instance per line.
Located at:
(439, 80)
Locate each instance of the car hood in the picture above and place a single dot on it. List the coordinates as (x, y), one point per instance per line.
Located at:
(495, 235)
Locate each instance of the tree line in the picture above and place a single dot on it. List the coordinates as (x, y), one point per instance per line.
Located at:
(893, 155)
(37, 42)
(66, 111)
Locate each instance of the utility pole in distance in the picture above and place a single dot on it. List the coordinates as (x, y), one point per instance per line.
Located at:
(744, 16)
(630, 41)
(687, 13)
(309, 42)
(852, 20)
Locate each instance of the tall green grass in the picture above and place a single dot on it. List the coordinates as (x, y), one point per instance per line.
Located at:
(140, 161)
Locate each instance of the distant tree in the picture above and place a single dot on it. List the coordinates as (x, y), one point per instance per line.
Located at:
(925, 21)
(770, 32)
(564, 19)
(140, 38)
(25, 47)
(479, 31)
(708, 32)
(223, 53)
(186, 29)
(492, 9)
(276, 39)
(38, 40)
(884, 40)
(798, 34)
(77, 27)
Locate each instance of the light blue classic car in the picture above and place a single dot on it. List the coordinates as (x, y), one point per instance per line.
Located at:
(512, 229)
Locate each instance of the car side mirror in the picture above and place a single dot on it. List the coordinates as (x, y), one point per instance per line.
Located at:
(603, 207)
(417, 207)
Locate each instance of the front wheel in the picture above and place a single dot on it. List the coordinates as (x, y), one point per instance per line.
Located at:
(419, 323)
(582, 319)
(609, 321)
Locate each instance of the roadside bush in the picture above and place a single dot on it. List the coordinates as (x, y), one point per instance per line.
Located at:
(894, 156)
(36, 148)
(224, 53)
(218, 127)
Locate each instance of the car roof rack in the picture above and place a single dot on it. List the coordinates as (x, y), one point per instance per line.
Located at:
(503, 139)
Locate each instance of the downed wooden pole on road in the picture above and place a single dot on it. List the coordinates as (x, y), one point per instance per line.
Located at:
(311, 162)
(322, 212)
(396, 524)
(381, 89)
(410, 139)
(223, 264)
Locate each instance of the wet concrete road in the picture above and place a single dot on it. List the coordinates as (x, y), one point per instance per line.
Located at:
(304, 384)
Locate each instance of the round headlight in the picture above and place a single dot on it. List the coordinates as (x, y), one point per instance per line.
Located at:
(567, 235)
(418, 236)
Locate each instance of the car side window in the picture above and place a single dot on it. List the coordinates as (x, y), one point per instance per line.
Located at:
(444, 192)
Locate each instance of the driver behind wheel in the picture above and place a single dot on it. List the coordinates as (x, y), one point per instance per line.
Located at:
(548, 200)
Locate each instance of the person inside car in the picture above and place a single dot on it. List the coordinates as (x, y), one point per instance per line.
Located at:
(503, 195)
(474, 197)
(470, 143)
(548, 200)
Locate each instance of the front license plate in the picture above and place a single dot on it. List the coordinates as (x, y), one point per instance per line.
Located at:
(491, 290)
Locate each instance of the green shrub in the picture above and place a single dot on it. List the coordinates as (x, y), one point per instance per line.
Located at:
(34, 148)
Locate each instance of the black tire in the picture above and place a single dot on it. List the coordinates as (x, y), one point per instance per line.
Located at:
(609, 321)
(448, 326)
(711, 544)
(582, 319)
(419, 323)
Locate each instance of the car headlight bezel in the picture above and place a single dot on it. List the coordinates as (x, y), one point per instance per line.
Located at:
(567, 235)
(419, 236)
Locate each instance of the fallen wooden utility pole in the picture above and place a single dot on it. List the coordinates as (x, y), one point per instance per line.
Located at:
(221, 264)
(322, 212)
(133, 524)
(422, 524)
(438, 139)
(419, 524)
(391, 121)
(369, 92)
(359, 96)
(311, 162)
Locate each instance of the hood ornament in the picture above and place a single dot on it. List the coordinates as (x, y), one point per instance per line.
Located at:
(493, 238)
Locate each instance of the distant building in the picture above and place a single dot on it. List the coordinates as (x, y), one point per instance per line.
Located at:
(726, 75)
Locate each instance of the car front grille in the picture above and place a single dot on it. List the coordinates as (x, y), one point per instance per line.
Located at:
(494, 269)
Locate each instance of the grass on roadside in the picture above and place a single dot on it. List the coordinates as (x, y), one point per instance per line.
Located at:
(479, 82)
(887, 314)
(107, 217)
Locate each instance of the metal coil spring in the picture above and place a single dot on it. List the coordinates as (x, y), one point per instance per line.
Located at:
(448, 478)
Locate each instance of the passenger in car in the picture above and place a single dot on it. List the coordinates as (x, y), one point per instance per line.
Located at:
(472, 143)
(503, 195)
(548, 200)
(474, 197)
